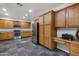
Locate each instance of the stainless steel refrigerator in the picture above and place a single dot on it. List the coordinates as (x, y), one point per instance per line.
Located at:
(35, 31)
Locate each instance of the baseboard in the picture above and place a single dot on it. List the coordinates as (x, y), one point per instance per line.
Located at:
(47, 47)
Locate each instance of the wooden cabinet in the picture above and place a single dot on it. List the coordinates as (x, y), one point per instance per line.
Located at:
(17, 23)
(26, 34)
(6, 24)
(25, 24)
(47, 18)
(74, 49)
(41, 35)
(10, 35)
(41, 20)
(60, 18)
(73, 16)
(6, 35)
(9, 24)
(48, 38)
(46, 30)
(72, 45)
(67, 17)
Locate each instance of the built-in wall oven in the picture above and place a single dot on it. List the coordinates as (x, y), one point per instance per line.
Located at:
(17, 32)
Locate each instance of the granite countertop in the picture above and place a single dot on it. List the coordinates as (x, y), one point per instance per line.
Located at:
(74, 42)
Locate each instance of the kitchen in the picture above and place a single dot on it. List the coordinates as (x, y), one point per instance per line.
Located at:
(52, 31)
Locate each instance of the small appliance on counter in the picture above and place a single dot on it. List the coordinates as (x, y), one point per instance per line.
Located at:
(77, 35)
(68, 37)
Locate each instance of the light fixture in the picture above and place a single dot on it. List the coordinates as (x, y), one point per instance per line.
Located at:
(4, 9)
(30, 10)
(6, 14)
(26, 15)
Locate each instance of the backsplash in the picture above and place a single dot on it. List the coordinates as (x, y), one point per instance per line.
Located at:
(29, 29)
(61, 31)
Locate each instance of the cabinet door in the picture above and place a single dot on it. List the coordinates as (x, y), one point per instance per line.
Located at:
(1, 36)
(48, 39)
(41, 35)
(41, 20)
(22, 24)
(74, 49)
(76, 9)
(2, 24)
(24, 34)
(25, 24)
(48, 18)
(30, 33)
(71, 16)
(60, 18)
(8, 24)
(9, 35)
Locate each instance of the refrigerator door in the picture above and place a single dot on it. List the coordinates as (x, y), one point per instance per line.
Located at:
(35, 31)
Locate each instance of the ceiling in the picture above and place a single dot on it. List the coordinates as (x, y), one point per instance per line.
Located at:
(16, 11)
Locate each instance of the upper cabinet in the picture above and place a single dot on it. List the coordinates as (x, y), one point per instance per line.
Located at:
(41, 21)
(47, 18)
(6, 24)
(68, 17)
(73, 16)
(25, 24)
(60, 18)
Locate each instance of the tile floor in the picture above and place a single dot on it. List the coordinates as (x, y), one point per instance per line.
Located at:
(25, 47)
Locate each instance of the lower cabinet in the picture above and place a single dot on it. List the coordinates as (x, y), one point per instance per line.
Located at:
(26, 34)
(74, 49)
(6, 35)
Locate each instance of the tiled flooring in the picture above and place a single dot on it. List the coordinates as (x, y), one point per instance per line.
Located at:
(25, 47)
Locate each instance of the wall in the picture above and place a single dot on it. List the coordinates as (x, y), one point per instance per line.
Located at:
(60, 31)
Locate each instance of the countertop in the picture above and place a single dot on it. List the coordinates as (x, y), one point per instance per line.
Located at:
(74, 42)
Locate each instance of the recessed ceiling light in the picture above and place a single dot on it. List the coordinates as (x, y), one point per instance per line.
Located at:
(4, 9)
(30, 10)
(26, 14)
(6, 14)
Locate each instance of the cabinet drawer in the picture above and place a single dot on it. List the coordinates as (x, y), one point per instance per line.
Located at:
(73, 53)
(67, 44)
(74, 47)
(60, 41)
